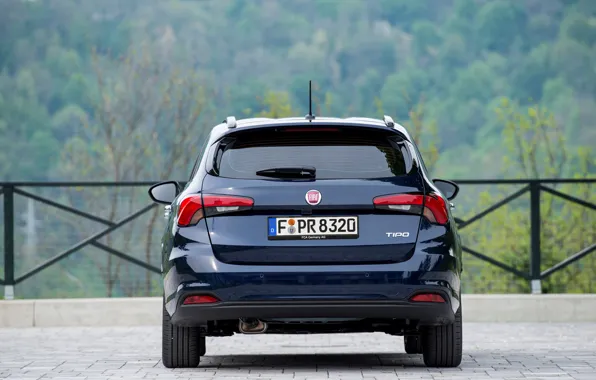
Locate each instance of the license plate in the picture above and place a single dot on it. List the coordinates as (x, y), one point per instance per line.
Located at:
(313, 228)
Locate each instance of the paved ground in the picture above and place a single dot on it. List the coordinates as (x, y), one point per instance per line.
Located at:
(491, 351)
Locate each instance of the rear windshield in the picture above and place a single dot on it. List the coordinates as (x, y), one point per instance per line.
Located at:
(340, 154)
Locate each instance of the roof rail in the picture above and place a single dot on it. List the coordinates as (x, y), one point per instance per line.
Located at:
(231, 121)
(388, 121)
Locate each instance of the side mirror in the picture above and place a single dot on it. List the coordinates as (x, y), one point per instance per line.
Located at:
(448, 188)
(164, 192)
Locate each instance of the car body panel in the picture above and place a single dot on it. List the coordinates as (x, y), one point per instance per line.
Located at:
(244, 238)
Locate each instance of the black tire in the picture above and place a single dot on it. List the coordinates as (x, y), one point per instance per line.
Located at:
(442, 345)
(202, 346)
(413, 344)
(181, 347)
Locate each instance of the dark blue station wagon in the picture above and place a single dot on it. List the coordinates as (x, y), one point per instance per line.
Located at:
(310, 225)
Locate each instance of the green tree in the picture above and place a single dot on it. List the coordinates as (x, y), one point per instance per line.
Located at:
(531, 74)
(147, 125)
(276, 105)
(499, 23)
(426, 38)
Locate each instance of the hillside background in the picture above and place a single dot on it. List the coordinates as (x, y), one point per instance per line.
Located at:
(127, 90)
(458, 57)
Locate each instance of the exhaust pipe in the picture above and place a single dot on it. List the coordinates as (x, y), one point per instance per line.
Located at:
(252, 326)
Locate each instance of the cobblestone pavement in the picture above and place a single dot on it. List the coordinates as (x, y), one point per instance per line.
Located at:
(491, 351)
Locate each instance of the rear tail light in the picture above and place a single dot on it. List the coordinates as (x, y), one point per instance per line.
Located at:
(432, 206)
(190, 211)
(435, 209)
(428, 297)
(195, 207)
(194, 300)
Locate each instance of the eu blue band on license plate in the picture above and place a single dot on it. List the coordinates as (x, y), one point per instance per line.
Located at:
(272, 227)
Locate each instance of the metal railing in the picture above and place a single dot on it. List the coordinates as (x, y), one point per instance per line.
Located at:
(535, 187)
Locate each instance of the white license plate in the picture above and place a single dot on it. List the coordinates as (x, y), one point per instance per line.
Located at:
(313, 227)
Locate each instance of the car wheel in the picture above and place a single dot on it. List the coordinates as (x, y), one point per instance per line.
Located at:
(413, 344)
(442, 345)
(182, 347)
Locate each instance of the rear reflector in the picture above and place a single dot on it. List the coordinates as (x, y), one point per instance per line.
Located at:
(435, 208)
(194, 300)
(194, 207)
(428, 297)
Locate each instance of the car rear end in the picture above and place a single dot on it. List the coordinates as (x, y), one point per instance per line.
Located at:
(312, 228)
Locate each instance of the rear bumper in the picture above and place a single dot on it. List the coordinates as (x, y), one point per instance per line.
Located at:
(315, 291)
(423, 313)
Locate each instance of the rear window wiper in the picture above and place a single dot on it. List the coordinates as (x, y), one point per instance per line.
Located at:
(297, 172)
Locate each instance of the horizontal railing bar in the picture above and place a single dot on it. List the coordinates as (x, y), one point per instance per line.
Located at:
(81, 184)
(63, 207)
(492, 208)
(126, 257)
(458, 220)
(522, 181)
(569, 198)
(83, 243)
(496, 263)
(568, 261)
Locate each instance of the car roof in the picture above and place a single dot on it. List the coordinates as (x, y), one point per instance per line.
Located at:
(222, 129)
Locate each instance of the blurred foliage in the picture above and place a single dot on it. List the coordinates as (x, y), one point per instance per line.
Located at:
(535, 147)
(128, 90)
(459, 56)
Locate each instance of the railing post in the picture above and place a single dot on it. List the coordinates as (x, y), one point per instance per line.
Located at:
(535, 237)
(9, 242)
